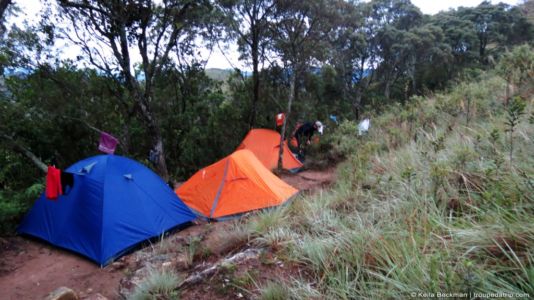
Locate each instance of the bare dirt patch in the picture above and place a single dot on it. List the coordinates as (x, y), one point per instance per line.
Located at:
(31, 269)
(310, 180)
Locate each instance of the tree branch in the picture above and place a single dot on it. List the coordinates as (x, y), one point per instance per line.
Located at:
(24, 151)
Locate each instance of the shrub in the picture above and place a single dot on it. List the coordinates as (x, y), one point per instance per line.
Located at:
(13, 206)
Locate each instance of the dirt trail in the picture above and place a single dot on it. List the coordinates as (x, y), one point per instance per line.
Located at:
(310, 180)
(30, 269)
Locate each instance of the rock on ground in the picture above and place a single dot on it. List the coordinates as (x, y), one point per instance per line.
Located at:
(62, 293)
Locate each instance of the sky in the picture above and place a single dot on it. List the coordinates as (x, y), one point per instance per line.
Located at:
(431, 7)
(226, 56)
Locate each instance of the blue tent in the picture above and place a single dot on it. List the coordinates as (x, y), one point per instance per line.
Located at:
(114, 204)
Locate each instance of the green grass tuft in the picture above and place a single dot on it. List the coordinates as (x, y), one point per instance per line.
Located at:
(274, 291)
(158, 285)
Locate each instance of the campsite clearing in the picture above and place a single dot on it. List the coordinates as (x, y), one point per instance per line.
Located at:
(31, 269)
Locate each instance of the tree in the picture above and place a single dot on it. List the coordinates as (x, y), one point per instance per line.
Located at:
(117, 27)
(527, 7)
(395, 18)
(19, 48)
(425, 53)
(497, 25)
(461, 38)
(515, 110)
(299, 28)
(3, 7)
(354, 51)
(517, 67)
(248, 21)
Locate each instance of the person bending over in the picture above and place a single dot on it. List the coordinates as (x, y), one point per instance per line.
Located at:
(305, 132)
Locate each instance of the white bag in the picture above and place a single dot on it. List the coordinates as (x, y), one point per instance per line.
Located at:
(364, 126)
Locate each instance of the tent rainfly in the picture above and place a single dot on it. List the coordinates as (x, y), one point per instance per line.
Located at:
(236, 184)
(265, 143)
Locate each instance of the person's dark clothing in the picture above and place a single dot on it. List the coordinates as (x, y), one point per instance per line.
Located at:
(305, 132)
(67, 181)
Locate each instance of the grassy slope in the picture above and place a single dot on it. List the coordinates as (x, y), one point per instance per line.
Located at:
(426, 203)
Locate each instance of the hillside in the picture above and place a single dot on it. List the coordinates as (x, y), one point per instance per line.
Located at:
(218, 74)
(433, 201)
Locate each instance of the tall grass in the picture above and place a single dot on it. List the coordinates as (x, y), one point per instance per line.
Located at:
(428, 202)
(158, 285)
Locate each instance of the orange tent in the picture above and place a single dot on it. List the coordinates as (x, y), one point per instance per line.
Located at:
(264, 143)
(238, 183)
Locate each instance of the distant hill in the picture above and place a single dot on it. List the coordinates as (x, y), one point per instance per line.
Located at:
(218, 74)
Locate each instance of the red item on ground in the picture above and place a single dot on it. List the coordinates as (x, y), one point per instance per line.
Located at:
(280, 119)
(53, 183)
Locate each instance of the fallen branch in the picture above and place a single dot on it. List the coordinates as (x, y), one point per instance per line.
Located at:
(236, 258)
(21, 149)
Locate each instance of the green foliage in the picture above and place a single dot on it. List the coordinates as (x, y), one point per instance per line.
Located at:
(11, 211)
(343, 138)
(517, 66)
(268, 219)
(515, 109)
(274, 291)
(158, 285)
(56, 124)
(13, 205)
(192, 250)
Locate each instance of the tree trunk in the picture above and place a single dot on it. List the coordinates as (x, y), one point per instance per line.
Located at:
(256, 82)
(161, 166)
(511, 145)
(3, 7)
(468, 100)
(509, 91)
(482, 49)
(356, 102)
(414, 85)
(389, 80)
(157, 138)
(387, 89)
(125, 138)
(361, 87)
(288, 112)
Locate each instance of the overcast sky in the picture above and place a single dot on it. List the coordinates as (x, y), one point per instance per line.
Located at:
(31, 8)
(434, 6)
